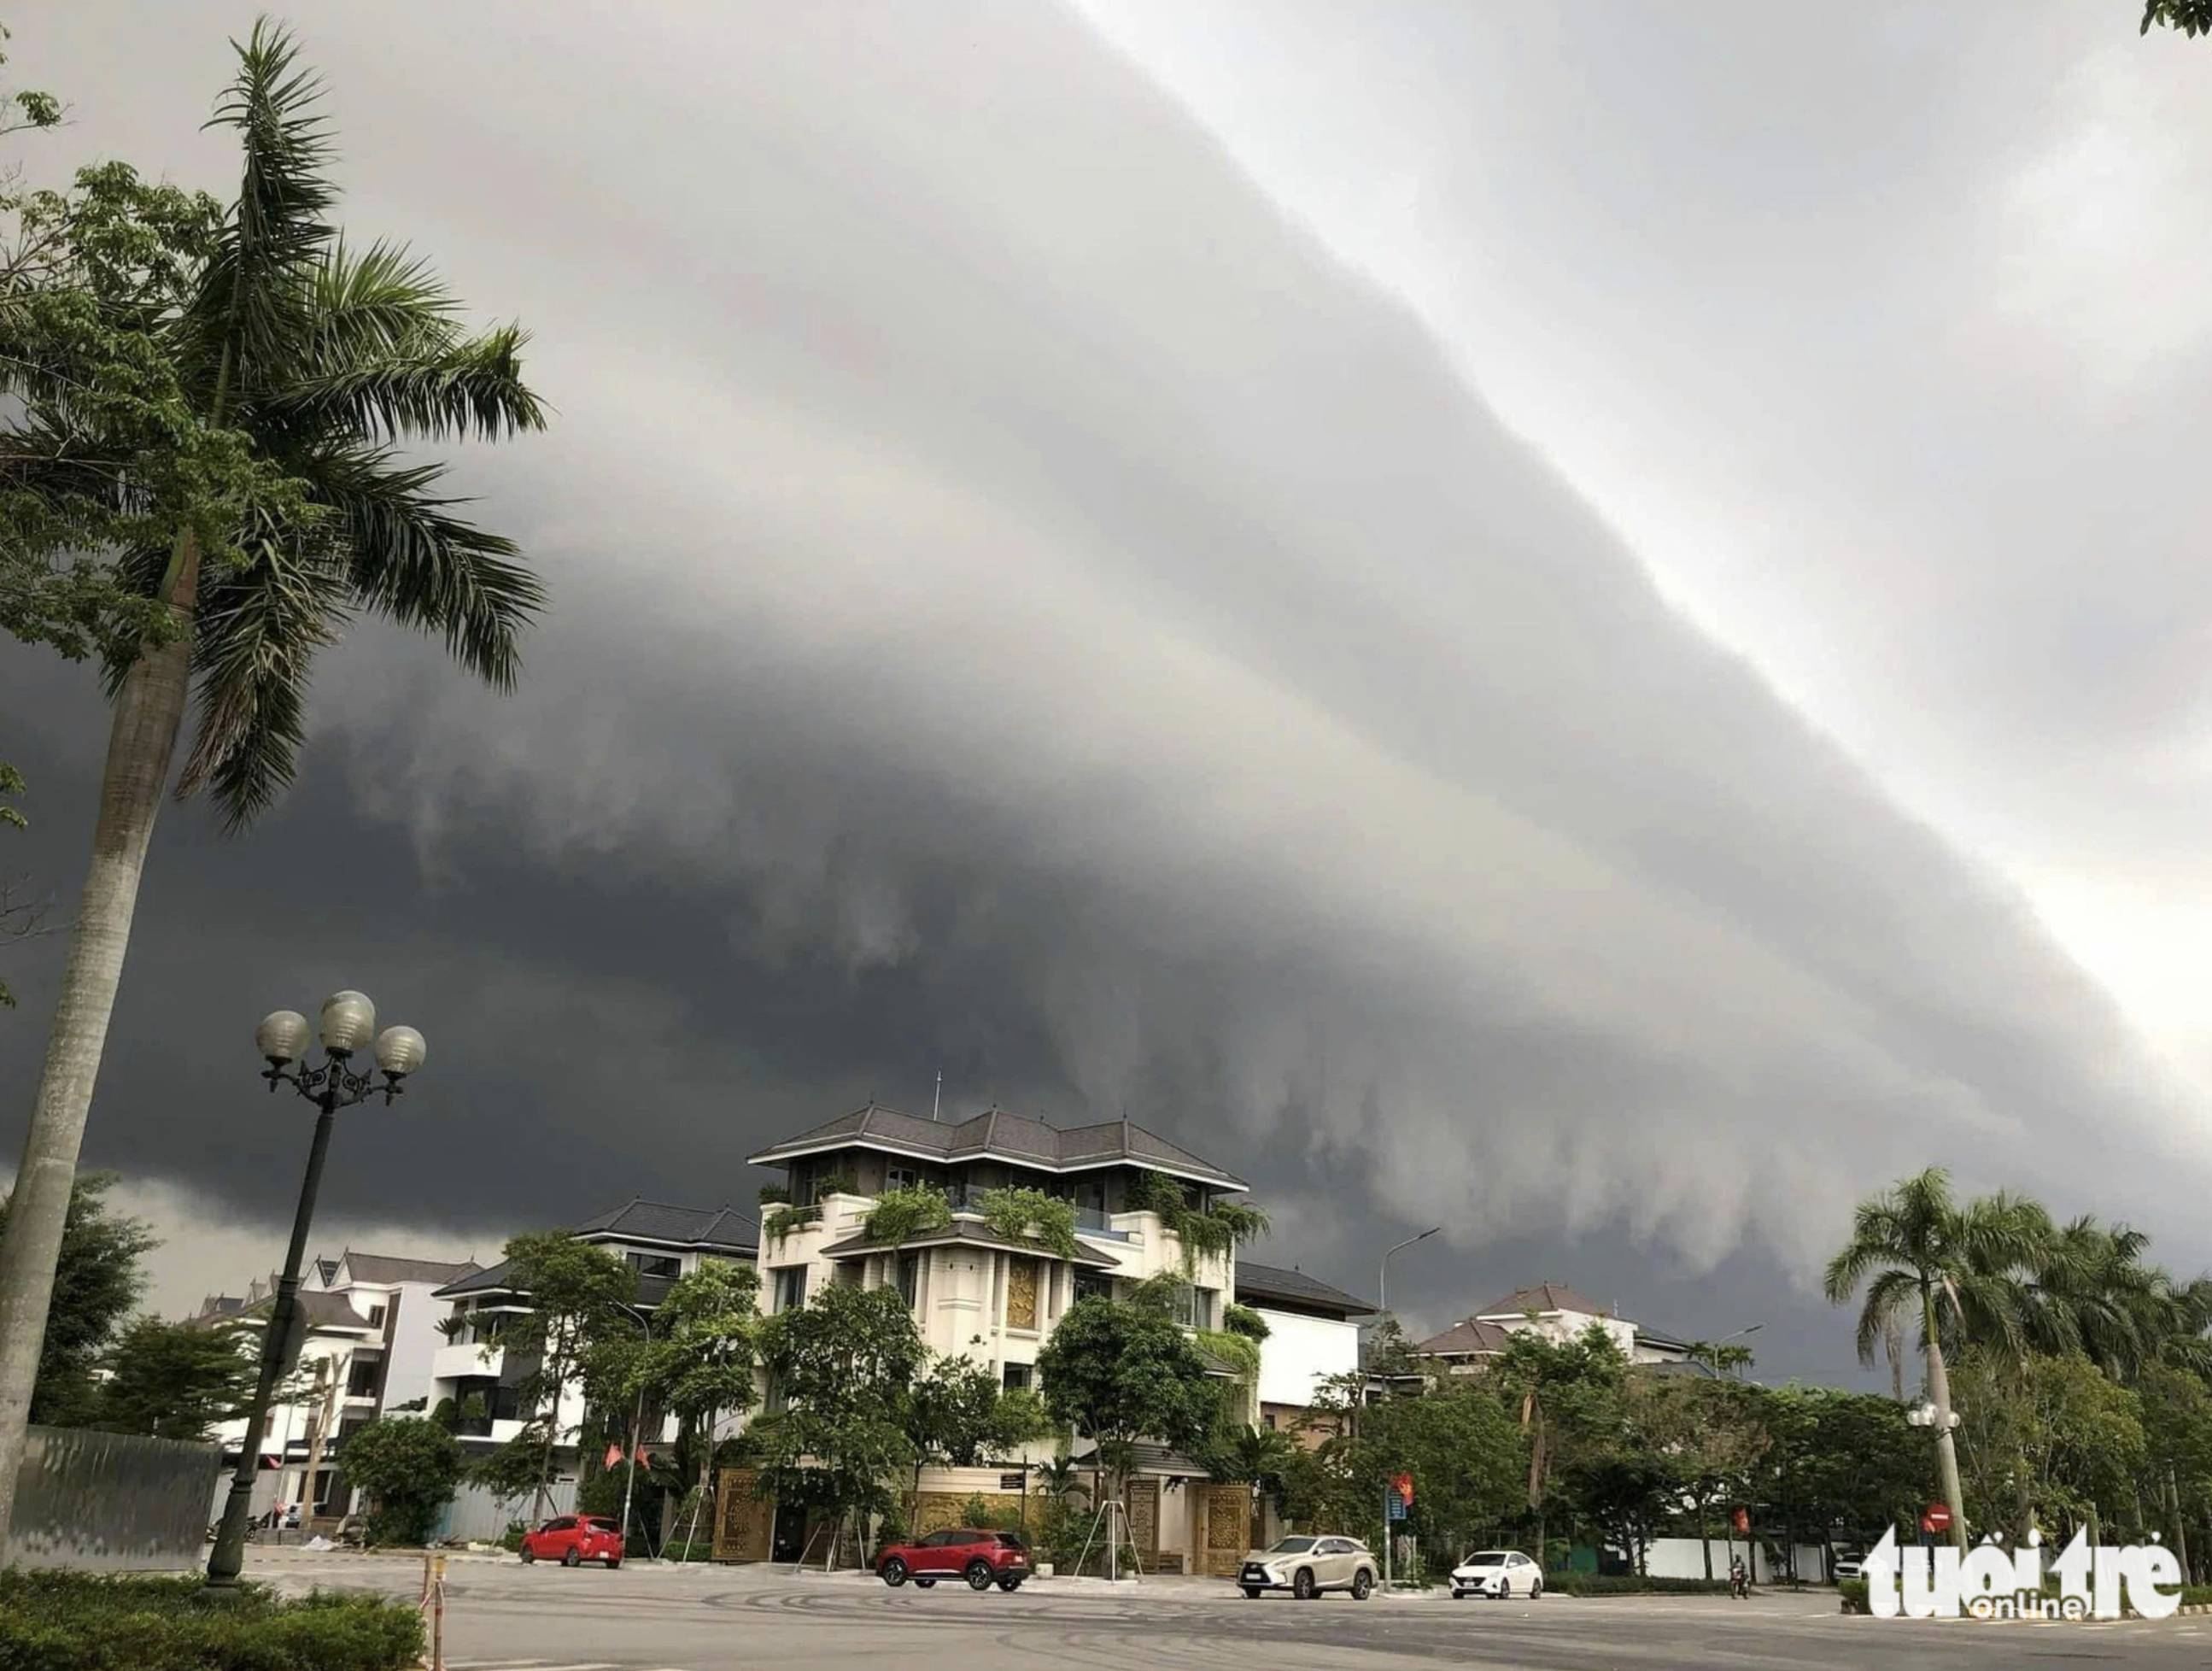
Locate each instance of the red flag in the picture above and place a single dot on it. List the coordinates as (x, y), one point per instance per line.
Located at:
(644, 1457)
(614, 1456)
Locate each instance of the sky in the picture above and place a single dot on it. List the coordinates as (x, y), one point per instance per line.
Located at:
(1592, 636)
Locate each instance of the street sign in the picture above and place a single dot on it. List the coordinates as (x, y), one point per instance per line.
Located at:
(1394, 1504)
(1013, 1482)
(1936, 1517)
(1403, 1484)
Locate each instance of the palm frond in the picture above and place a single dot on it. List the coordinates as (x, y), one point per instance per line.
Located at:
(425, 391)
(256, 635)
(413, 561)
(251, 314)
(379, 300)
(1893, 1295)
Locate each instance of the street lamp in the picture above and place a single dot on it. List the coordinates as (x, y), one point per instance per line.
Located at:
(1925, 1415)
(346, 1026)
(1382, 1276)
(637, 1427)
(1713, 1371)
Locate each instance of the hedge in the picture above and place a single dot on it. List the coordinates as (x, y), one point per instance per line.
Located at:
(1628, 1583)
(70, 1621)
(1854, 1593)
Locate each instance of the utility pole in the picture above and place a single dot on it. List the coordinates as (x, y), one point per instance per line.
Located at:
(318, 1429)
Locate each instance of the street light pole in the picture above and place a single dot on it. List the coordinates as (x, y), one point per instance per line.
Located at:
(1382, 1276)
(347, 1024)
(637, 1433)
(1713, 1369)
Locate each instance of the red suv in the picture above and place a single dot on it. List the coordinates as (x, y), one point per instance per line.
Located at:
(983, 1558)
(573, 1539)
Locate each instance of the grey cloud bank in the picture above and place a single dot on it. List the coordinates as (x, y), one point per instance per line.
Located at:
(1023, 607)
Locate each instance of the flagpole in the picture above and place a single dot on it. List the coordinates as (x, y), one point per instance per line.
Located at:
(637, 1435)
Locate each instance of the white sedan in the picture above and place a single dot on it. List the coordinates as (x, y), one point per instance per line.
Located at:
(1497, 1574)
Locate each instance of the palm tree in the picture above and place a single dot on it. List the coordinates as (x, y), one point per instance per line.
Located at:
(1255, 1456)
(1922, 1258)
(325, 360)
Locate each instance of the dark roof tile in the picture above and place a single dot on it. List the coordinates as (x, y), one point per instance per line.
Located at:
(1256, 1284)
(1031, 1141)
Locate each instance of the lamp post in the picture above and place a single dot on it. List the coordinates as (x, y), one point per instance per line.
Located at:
(1382, 1276)
(346, 1026)
(1713, 1369)
(1944, 1420)
(636, 1433)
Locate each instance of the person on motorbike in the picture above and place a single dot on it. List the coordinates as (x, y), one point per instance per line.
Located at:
(1739, 1579)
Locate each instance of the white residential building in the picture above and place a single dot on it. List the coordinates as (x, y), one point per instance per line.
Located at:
(370, 1328)
(1555, 1311)
(659, 1242)
(1312, 1337)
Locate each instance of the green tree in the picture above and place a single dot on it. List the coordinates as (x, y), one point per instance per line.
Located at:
(1564, 1396)
(97, 1281)
(328, 359)
(1119, 1373)
(177, 1381)
(841, 1367)
(1256, 1456)
(2191, 17)
(1948, 1268)
(409, 1468)
(700, 1363)
(957, 1413)
(1840, 1461)
(1031, 1214)
(1464, 1451)
(577, 1295)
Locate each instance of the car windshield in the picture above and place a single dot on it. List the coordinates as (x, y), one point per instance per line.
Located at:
(1010, 1540)
(1293, 1545)
(1487, 1557)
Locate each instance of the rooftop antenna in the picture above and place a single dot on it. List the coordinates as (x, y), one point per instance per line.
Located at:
(937, 1096)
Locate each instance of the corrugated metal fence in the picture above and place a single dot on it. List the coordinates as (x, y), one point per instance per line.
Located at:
(478, 1515)
(112, 1502)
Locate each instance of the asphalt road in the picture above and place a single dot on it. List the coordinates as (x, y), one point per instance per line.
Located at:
(504, 1617)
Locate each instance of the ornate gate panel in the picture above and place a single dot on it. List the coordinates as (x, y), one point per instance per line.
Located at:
(1228, 1529)
(1145, 1517)
(743, 1523)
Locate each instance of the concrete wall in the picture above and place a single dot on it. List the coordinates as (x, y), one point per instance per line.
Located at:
(1301, 1351)
(1678, 1558)
(112, 1502)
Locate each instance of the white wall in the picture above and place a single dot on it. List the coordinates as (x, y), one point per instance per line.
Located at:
(414, 1339)
(1678, 1558)
(1299, 1351)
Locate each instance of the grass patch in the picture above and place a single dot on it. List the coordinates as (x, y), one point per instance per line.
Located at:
(73, 1621)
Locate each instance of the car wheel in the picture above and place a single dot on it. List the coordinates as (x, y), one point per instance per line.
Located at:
(1361, 1583)
(528, 1556)
(1251, 1592)
(1010, 1584)
(925, 1584)
(894, 1572)
(1302, 1585)
(613, 1561)
(1536, 1589)
(572, 1558)
(979, 1575)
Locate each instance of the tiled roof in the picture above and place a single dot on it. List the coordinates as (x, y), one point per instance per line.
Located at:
(323, 1311)
(492, 1279)
(1256, 1284)
(1001, 1135)
(1461, 1339)
(1145, 1457)
(722, 1227)
(962, 1233)
(381, 1268)
(1542, 1298)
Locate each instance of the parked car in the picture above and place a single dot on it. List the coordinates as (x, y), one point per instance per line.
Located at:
(573, 1539)
(1307, 1566)
(982, 1557)
(1497, 1574)
(1852, 1565)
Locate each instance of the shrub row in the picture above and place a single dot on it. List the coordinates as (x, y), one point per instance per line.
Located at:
(1628, 1583)
(67, 1621)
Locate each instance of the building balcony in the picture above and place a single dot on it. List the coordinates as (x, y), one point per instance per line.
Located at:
(461, 1361)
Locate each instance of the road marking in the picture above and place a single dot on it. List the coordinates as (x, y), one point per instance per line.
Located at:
(528, 1665)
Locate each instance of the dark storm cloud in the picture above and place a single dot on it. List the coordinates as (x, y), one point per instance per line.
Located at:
(1024, 610)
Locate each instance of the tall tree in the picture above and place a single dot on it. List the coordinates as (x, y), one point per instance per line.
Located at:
(700, 1363)
(1117, 1373)
(2191, 17)
(177, 1381)
(97, 1280)
(839, 1366)
(326, 359)
(578, 1295)
(1565, 1396)
(1921, 1256)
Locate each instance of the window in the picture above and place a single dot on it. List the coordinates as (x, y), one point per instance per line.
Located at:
(1194, 1308)
(361, 1380)
(562, 1523)
(1270, 1420)
(909, 1277)
(790, 1287)
(376, 1316)
(901, 1177)
(654, 1264)
(1016, 1377)
(944, 1540)
(1090, 1285)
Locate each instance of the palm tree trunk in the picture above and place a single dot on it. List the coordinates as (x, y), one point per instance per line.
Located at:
(1947, 1450)
(142, 742)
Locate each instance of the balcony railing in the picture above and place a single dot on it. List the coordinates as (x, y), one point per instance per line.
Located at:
(1088, 1220)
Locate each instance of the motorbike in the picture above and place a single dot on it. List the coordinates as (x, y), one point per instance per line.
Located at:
(1739, 1582)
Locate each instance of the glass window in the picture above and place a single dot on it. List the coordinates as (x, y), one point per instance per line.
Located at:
(1016, 1377)
(901, 1177)
(564, 1523)
(790, 1287)
(654, 1264)
(1293, 1545)
(376, 1317)
(1090, 1285)
(909, 1277)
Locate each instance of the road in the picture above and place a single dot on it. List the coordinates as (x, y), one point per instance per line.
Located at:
(504, 1617)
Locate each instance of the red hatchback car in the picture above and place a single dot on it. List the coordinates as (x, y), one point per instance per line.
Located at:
(983, 1558)
(573, 1539)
